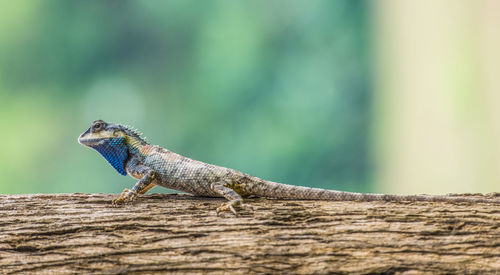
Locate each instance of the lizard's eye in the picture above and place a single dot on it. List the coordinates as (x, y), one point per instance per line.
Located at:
(97, 126)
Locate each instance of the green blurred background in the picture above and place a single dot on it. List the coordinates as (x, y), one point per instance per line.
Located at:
(293, 91)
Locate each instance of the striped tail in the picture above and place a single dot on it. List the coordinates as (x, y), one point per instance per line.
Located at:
(276, 190)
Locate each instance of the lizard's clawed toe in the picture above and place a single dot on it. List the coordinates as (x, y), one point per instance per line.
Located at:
(124, 197)
(229, 206)
(224, 208)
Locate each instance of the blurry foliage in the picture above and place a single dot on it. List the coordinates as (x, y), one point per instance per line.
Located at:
(279, 89)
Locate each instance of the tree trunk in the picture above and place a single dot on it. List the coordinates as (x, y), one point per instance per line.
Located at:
(84, 233)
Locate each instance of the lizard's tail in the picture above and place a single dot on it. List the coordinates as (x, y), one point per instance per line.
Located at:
(276, 190)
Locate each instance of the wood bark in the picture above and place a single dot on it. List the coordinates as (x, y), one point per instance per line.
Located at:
(84, 233)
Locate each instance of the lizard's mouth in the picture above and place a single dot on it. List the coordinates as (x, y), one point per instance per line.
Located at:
(90, 142)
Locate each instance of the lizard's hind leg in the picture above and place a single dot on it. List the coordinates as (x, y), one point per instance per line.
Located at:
(228, 193)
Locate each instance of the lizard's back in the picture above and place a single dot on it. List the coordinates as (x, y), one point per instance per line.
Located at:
(184, 174)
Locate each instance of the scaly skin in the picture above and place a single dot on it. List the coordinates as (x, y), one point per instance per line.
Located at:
(153, 165)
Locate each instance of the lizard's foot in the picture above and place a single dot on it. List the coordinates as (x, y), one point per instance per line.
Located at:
(229, 206)
(125, 196)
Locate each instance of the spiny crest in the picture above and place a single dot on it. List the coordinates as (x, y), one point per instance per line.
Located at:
(131, 131)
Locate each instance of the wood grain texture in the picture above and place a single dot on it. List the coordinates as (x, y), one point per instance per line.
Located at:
(83, 233)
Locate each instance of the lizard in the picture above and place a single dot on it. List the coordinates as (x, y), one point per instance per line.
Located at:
(129, 153)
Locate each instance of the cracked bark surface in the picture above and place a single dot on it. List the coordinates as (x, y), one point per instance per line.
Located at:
(83, 233)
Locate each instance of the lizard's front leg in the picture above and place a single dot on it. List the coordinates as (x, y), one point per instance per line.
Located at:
(141, 187)
(142, 192)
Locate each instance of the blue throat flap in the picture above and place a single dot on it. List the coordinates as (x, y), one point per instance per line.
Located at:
(115, 151)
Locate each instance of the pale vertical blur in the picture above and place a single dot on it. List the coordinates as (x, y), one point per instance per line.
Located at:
(436, 105)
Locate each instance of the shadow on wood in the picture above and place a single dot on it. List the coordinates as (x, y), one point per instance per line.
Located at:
(84, 233)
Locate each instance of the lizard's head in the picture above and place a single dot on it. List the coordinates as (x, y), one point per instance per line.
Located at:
(113, 141)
